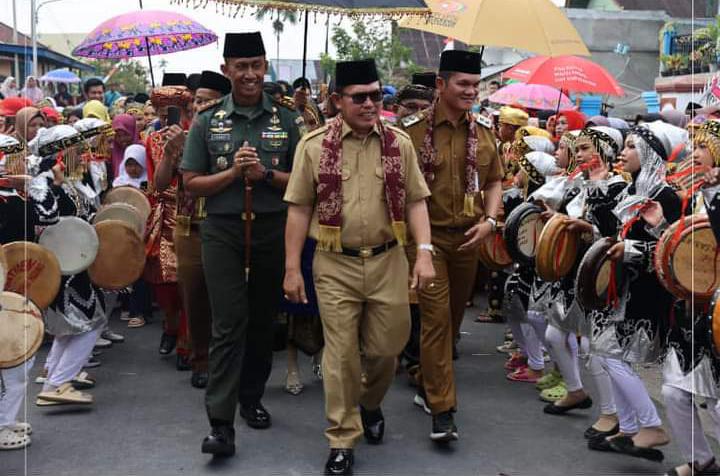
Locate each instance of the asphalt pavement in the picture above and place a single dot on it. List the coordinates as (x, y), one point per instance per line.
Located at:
(148, 421)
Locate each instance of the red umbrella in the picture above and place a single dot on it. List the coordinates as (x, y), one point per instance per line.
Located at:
(568, 73)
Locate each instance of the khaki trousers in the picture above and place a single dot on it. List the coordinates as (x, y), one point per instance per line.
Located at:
(366, 322)
(191, 280)
(442, 308)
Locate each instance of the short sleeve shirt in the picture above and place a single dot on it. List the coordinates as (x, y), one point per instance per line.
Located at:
(366, 220)
(448, 188)
(218, 132)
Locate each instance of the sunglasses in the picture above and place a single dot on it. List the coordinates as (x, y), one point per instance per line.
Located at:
(360, 98)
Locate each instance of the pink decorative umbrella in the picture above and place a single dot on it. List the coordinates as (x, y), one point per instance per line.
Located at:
(141, 33)
(532, 96)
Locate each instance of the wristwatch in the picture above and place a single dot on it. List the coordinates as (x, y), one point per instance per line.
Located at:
(426, 247)
(493, 222)
(269, 175)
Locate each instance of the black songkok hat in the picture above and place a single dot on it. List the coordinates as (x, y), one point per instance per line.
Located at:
(460, 61)
(174, 79)
(355, 72)
(142, 98)
(301, 83)
(193, 82)
(416, 91)
(243, 45)
(424, 79)
(214, 81)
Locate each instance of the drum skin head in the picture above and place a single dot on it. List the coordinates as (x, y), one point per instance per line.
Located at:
(121, 256)
(123, 212)
(74, 243)
(130, 196)
(593, 276)
(522, 229)
(21, 329)
(33, 271)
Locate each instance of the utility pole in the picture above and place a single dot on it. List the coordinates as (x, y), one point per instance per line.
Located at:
(15, 41)
(33, 34)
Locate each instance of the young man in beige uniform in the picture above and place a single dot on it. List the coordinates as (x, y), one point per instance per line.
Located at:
(459, 160)
(354, 185)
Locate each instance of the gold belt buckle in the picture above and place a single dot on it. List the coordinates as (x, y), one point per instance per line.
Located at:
(366, 252)
(183, 225)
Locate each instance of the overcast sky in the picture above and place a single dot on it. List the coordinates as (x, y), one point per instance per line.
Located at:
(82, 16)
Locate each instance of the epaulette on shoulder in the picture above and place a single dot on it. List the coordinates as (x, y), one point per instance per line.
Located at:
(286, 102)
(316, 132)
(412, 119)
(483, 121)
(209, 105)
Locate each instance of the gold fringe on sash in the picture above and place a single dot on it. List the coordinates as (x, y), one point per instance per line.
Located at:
(469, 206)
(400, 232)
(329, 238)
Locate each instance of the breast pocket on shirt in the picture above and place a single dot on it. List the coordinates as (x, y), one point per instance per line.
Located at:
(274, 146)
(380, 182)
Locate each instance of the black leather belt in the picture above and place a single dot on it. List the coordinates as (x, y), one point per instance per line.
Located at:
(369, 252)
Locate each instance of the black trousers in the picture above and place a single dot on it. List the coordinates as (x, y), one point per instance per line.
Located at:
(240, 357)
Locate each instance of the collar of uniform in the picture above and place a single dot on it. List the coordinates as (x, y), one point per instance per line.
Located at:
(440, 117)
(346, 130)
(266, 104)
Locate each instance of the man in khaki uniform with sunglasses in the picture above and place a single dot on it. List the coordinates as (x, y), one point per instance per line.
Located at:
(354, 185)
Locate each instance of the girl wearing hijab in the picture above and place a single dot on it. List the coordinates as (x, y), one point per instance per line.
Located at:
(133, 172)
(31, 90)
(568, 121)
(8, 88)
(97, 110)
(631, 331)
(28, 121)
(691, 370)
(124, 126)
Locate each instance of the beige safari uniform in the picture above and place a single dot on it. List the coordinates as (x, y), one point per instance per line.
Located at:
(363, 301)
(442, 306)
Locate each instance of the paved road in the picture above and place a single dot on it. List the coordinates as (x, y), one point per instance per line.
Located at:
(148, 421)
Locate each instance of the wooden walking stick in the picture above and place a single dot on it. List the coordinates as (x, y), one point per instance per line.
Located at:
(248, 216)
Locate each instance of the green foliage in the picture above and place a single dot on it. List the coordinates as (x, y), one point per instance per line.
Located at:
(371, 39)
(132, 74)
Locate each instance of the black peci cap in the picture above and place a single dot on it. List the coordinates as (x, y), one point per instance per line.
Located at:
(301, 83)
(193, 81)
(355, 72)
(243, 45)
(424, 79)
(460, 61)
(215, 81)
(174, 79)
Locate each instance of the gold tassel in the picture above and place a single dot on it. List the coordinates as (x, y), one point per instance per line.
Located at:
(400, 232)
(469, 207)
(330, 239)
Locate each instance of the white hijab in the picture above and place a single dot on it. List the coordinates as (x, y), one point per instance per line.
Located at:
(137, 153)
(6, 90)
(35, 94)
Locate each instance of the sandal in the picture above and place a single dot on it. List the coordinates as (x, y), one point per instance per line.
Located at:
(522, 375)
(293, 385)
(694, 469)
(553, 394)
(83, 381)
(10, 440)
(515, 362)
(484, 318)
(136, 322)
(21, 428)
(551, 379)
(554, 409)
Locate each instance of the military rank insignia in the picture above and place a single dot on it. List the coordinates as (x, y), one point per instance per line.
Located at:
(222, 162)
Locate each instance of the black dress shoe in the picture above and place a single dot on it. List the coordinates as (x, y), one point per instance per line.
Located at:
(199, 379)
(553, 409)
(256, 416)
(220, 442)
(593, 433)
(373, 424)
(182, 363)
(340, 462)
(167, 344)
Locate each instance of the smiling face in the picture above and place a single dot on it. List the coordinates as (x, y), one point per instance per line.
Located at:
(133, 168)
(246, 76)
(629, 158)
(458, 91)
(360, 117)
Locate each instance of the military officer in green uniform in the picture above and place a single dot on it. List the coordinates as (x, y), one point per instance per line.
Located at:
(243, 139)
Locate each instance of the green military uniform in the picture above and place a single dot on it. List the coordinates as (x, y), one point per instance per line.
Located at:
(241, 346)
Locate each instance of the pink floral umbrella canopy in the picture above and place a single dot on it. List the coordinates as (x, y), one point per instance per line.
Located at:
(532, 96)
(124, 36)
